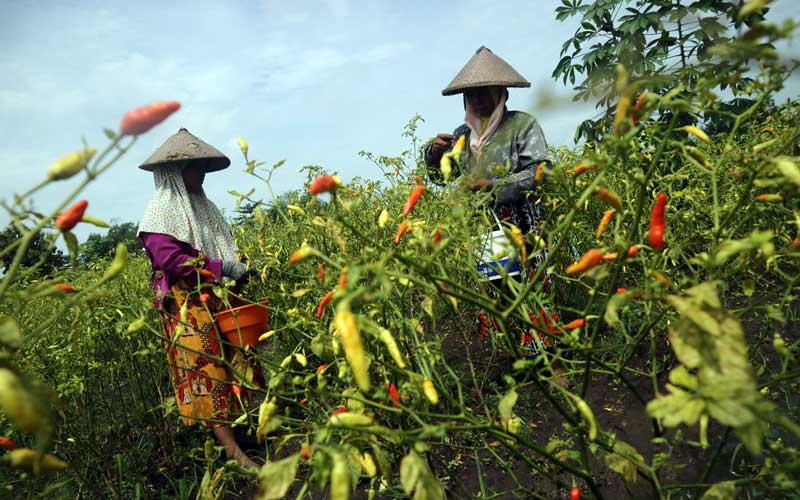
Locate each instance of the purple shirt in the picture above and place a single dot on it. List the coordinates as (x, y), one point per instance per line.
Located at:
(166, 255)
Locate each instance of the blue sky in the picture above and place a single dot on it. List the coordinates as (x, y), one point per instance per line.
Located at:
(312, 82)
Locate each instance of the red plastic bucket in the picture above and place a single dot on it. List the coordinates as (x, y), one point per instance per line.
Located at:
(243, 325)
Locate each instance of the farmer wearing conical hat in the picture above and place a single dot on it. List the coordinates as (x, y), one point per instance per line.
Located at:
(504, 150)
(180, 224)
(496, 137)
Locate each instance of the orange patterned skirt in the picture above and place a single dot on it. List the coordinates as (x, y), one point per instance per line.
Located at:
(204, 390)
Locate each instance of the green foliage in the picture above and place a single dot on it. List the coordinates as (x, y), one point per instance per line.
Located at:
(702, 340)
(42, 255)
(99, 246)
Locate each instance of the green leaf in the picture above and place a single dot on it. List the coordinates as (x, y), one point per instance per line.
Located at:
(275, 478)
(726, 490)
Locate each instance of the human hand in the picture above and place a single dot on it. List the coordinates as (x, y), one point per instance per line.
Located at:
(441, 143)
(233, 269)
(481, 185)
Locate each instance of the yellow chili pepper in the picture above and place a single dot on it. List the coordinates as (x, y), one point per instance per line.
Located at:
(118, 264)
(430, 391)
(69, 165)
(347, 327)
(388, 340)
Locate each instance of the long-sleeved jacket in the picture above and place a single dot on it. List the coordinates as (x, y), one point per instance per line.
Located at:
(518, 143)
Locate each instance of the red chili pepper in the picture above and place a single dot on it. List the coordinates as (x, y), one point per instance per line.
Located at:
(321, 271)
(7, 443)
(633, 250)
(321, 368)
(574, 324)
(575, 493)
(588, 261)
(394, 394)
(140, 120)
(483, 326)
(437, 236)
(305, 454)
(658, 223)
(412, 200)
(324, 302)
(339, 410)
(66, 288)
(204, 297)
(401, 230)
(325, 184)
(70, 217)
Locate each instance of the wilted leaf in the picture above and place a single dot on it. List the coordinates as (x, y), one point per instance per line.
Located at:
(621, 464)
(275, 478)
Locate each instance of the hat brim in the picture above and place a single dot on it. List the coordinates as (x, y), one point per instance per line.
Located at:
(461, 88)
(209, 164)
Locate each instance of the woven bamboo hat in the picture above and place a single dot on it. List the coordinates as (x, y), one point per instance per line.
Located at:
(484, 69)
(183, 146)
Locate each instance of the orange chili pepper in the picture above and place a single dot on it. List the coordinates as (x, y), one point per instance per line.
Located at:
(633, 250)
(539, 172)
(609, 197)
(413, 199)
(140, 120)
(204, 297)
(581, 168)
(70, 217)
(660, 277)
(237, 389)
(324, 302)
(321, 368)
(343, 278)
(66, 288)
(608, 257)
(305, 453)
(401, 230)
(321, 271)
(574, 324)
(589, 260)
(300, 255)
(205, 273)
(607, 216)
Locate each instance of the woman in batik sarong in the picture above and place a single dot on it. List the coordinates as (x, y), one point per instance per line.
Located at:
(182, 226)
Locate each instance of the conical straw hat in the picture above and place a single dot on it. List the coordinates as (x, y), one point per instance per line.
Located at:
(485, 69)
(183, 146)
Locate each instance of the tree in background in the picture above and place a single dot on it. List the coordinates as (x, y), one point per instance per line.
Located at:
(671, 39)
(41, 247)
(99, 246)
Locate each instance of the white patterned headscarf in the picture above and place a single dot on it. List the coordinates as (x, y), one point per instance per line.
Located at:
(188, 217)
